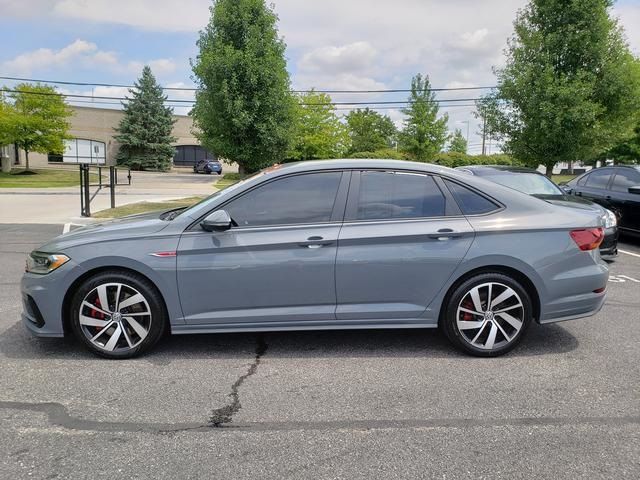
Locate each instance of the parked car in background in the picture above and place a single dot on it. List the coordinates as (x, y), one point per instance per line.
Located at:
(331, 244)
(616, 188)
(534, 183)
(208, 167)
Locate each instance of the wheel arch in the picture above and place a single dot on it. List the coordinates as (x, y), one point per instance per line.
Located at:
(66, 302)
(510, 271)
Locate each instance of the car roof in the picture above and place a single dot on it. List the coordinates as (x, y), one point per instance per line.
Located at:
(488, 169)
(359, 163)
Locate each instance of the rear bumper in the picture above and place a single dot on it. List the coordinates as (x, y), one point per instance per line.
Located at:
(576, 308)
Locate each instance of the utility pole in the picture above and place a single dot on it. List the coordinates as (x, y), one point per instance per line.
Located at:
(484, 135)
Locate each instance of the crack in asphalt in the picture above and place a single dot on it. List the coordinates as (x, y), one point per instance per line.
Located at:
(221, 416)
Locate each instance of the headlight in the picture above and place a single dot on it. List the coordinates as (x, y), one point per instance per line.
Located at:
(610, 219)
(43, 263)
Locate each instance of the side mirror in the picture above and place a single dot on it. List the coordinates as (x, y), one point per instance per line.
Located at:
(635, 190)
(218, 221)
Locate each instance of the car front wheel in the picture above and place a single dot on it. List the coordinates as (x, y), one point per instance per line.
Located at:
(487, 315)
(118, 314)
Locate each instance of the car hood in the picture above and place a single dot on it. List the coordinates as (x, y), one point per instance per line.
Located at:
(140, 225)
(572, 202)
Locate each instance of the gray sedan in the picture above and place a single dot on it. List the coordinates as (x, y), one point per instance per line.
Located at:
(335, 244)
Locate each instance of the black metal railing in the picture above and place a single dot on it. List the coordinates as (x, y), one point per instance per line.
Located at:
(85, 186)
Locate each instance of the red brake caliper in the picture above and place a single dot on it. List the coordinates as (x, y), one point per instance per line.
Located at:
(466, 316)
(96, 314)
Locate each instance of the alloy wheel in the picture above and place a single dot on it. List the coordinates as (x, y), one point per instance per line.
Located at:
(115, 317)
(490, 316)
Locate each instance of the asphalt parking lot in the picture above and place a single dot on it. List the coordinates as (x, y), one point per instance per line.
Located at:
(363, 404)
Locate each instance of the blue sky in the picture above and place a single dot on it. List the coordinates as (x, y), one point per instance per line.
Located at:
(332, 44)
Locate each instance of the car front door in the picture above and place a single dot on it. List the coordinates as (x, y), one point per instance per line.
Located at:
(402, 238)
(595, 186)
(626, 204)
(277, 266)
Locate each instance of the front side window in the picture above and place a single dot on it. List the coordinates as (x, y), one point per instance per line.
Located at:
(599, 179)
(392, 195)
(470, 202)
(624, 179)
(297, 199)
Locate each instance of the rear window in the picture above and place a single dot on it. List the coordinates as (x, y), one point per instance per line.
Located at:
(470, 202)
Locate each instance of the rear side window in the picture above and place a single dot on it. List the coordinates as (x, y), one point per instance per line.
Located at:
(624, 179)
(390, 195)
(470, 202)
(582, 181)
(599, 179)
(292, 200)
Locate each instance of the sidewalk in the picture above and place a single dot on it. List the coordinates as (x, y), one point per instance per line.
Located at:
(62, 205)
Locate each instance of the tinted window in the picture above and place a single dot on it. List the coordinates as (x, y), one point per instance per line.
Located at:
(599, 179)
(581, 181)
(470, 202)
(387, 195)
(531, 183)
(624, 179)
(298, 199)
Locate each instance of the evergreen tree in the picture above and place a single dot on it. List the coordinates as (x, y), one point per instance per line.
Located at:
(570, 87)
(244, 108)
(458, 142)
(145, 130)
(370, 131)
(318, 132)
(424, 134)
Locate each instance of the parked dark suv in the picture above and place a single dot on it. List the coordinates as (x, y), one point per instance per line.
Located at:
(616, 188)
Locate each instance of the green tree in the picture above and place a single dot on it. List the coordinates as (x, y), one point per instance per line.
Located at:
(144, 133)
(458, 142)
(370, 131)
(318, 132)
(570, 87)
(424, 134)
(36, 121)
(244, 108)
(6, 121)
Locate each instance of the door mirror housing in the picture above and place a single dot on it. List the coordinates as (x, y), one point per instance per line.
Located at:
(635, 189)
(218, 221)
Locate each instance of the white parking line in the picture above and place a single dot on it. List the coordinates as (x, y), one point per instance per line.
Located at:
(629, 253)
(66, 228)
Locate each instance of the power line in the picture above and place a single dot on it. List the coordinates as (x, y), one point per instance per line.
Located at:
(398, 103)
(193, 89)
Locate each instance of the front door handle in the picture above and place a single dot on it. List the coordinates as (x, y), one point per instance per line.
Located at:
(608, 197)
(444, 234)
(315, 242)
(579, 194)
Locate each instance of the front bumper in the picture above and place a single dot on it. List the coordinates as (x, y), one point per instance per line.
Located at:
(42, 301)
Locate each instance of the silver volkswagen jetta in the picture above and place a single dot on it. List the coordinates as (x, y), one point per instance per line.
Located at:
(334, 244)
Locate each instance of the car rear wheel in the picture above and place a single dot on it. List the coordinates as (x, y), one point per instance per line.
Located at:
(487, 315)
(118, 314)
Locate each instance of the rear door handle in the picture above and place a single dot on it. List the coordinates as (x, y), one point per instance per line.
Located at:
(315, 242)
(445, 234)
(579, 194)
(608, 197)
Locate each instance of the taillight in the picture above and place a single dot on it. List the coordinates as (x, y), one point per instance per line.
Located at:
(588, 239)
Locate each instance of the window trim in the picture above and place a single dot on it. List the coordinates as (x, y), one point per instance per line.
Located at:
(337, 212)
(499, 205)
(354, 192)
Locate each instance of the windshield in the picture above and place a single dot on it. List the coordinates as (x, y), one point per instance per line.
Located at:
(531, 183)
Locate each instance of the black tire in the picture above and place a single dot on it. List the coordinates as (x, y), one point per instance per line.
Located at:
(158, 320)
(449, 320)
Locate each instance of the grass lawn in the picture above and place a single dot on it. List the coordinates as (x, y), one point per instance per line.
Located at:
(558, 179)
(229, 179)
(143, 207)
(41, 178)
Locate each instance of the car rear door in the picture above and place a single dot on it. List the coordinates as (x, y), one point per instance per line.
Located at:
(402, 238)
(626, 204)
(277, 266)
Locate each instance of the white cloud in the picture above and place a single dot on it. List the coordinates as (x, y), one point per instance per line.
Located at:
(81, 54)
(354, 57)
